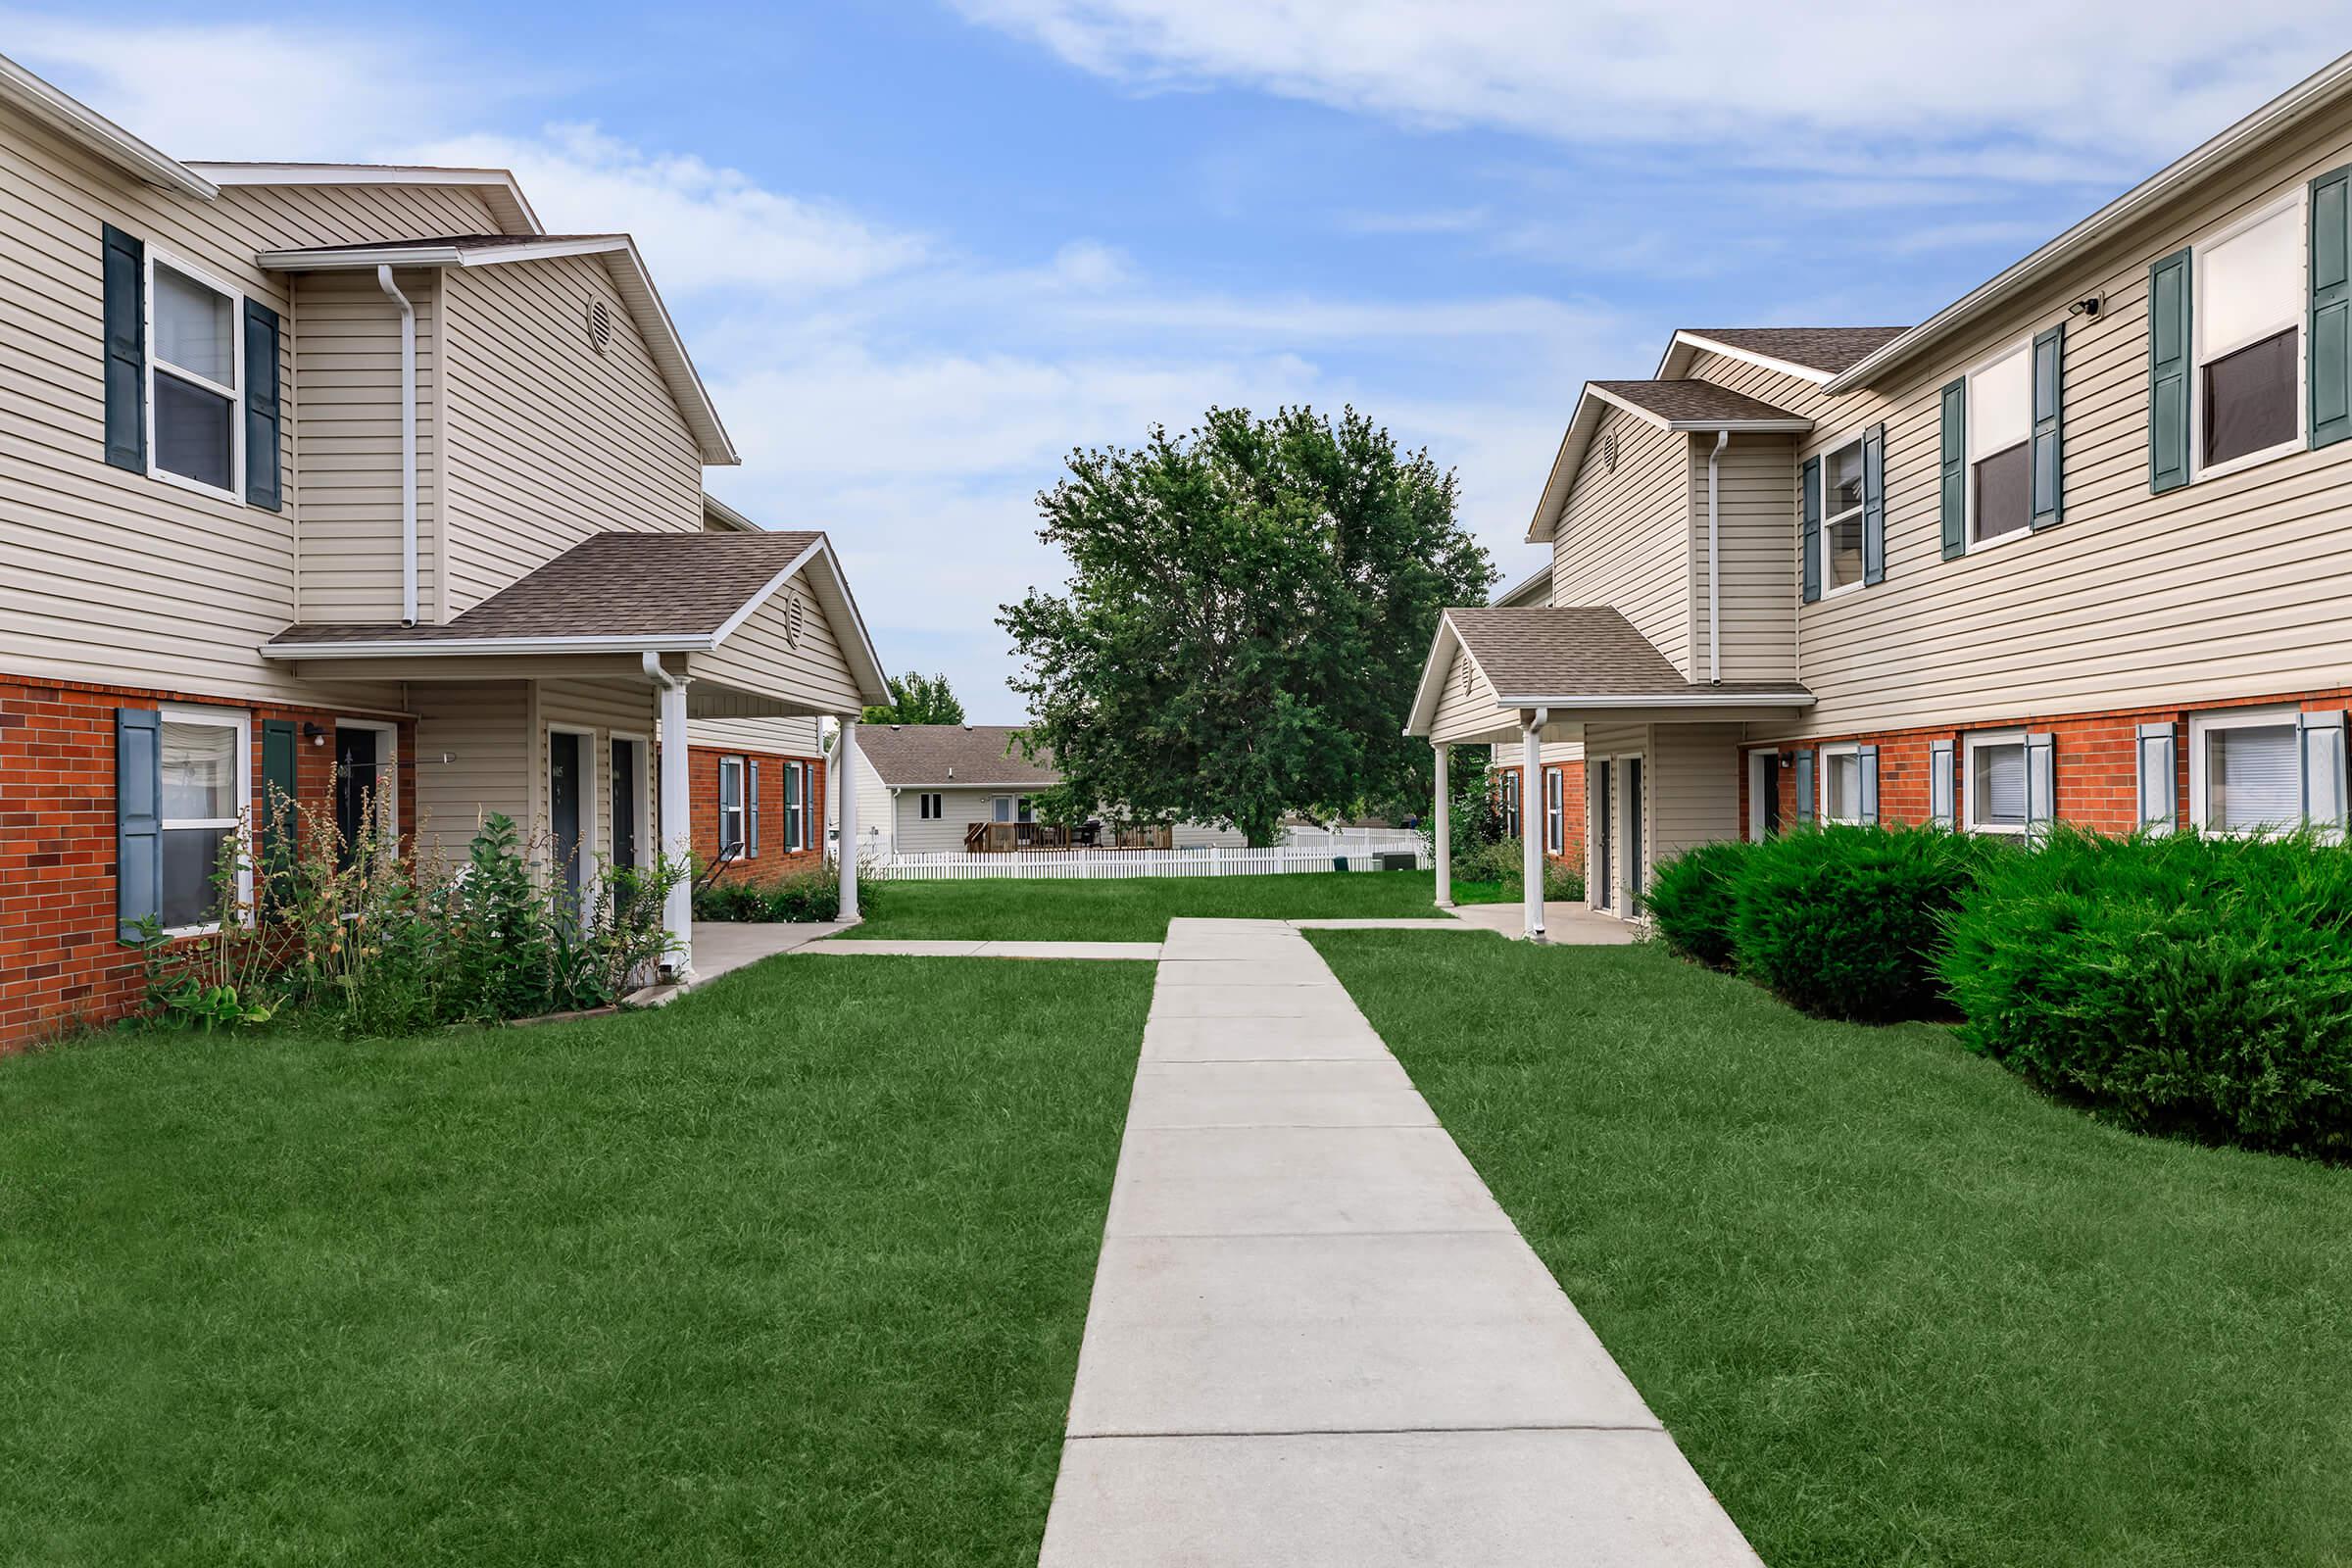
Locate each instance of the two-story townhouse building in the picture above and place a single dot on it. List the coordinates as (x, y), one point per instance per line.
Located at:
(2076, 549)
(348, 486)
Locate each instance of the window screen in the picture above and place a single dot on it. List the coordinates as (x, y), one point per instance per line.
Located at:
(1997, 785)
(1842, 516)
(2004, 493)
(2252, 779)
(2250, 399)
(1842, 787)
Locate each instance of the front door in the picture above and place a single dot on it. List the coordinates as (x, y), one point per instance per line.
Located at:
(628, 781)
(1768, 786)
(1637, 850)
(359, 760)
(1604, 895)
(564, 786)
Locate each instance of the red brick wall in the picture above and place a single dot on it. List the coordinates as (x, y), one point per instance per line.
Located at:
(60, 962)
(2095, 756)
(1573, 807)
(772, 861)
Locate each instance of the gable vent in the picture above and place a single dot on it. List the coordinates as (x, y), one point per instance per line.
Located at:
(599, 326)
(1609, 451)
(796, 613)
(1465, 679)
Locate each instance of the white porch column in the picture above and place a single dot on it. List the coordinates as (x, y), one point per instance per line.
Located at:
(1531, 822)
(677, 824)
(845, 758)
(1443, 829)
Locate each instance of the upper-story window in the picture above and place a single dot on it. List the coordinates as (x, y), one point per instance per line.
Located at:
(195, 378)
(2248, 325)
(1842, 516)
(2000, 429)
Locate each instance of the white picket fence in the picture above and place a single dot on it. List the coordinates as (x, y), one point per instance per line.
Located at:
(1214, 861)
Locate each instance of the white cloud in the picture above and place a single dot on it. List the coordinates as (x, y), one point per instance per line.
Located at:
(2053, 84)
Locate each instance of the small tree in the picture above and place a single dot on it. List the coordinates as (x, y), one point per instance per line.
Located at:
(918, 699)
(1246, 615)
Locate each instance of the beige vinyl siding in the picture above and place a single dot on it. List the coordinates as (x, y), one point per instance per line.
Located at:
(347, 424)
(1467, 715)
(1694, 780)
(474, 757)
(603, 708)
(2226, 588)
(1205, 835)
(787, 737)
(1622, 539)
(962, 807)
(548, 440)
(760, 656)
(1757, 557)
(114, 577)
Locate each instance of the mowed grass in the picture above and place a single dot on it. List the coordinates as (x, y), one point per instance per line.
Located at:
(1131, 909)
(1897, 1308)
(792, 1271)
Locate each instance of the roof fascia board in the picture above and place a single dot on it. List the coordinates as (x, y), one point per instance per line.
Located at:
(512, 207)
(81, 124)
(463, 647)
(1803, 372)
(874, 682)
(1541, 574)
(734, 521)
(356, 258)
(1699, 699)
(2282, 113)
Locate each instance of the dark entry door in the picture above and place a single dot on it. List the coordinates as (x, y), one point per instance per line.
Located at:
(358, 764)
(628, 777)
(1768, 780)
(1604, 884)
(564, 782)
(1637, 852)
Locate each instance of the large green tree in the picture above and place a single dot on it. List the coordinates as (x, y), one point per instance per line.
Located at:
(918, 699)
(1246, 613)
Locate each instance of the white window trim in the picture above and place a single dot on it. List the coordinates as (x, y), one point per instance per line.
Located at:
(796, 808)
(236, 395)
(1970, 744)
(241, 721)
(645, 815)
(1821, 535)
(742, 806)
(2200, 725)
(1821, 783)
(1969, 542)
(387, 768)
(1635, 889)
(2199, 357)
(930, 805)
(1555, 808)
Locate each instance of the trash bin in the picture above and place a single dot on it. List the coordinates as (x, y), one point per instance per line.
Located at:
(1338, 862)
(1401, 861)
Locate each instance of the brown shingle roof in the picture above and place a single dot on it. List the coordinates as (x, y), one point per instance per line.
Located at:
(1555, 651)
(950, 753)
(1827, 349)
(1692, 400)
(608, 585)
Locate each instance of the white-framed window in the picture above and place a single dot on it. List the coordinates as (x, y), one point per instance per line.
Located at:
(1994, 783)
(1841, 783)
(2266, 771)
(1555, 811)
(207, 767)
(195, 378)
(931, 806)
(1510, 803)
(2001, 447)
(730, 803)
(1012, 808)
(796, 804)
(2249, 299)
(1840, 539)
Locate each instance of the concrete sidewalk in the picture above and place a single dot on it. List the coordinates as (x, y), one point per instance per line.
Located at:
(1315, 1340)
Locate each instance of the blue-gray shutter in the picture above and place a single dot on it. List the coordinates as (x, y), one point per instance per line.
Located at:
(2322, 758)
(1868, 757)
(1812, 532)
(2159, 778)
(1951, 469)
(1805, 803)
(1874, 504)
(275, 823)
(125, 263)
(2330, 338)
(2169, 322)
(2047, 464)
(1940, 782)
(2041, 784)
(138, 819)
(751, 806)
(264, 485)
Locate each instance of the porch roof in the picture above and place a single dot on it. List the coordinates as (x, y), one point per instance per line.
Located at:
(1573, 659)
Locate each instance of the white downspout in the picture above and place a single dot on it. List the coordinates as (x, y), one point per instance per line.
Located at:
(1723, 438)
(847, 746)
(407, 443)
(1442, 830)
(677, 815)
(1531, 822)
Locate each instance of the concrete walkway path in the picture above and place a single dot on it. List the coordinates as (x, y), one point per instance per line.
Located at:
(1315, 1340)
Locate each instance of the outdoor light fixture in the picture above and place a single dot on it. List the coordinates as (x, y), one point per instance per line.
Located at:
(2088, 308)
(313, 733)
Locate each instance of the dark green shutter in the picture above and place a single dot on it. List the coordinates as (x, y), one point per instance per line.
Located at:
(1951, 470)
(1812, 533)
(125, 263)
(138, 819)
(275, 827)
(1874, 504)
(263, 452)
(2047, 460)
(2167, 372)
(2332, 307)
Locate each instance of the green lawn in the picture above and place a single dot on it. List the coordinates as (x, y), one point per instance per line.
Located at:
(793, 1271)
(1131, 908)
(1897, 1307)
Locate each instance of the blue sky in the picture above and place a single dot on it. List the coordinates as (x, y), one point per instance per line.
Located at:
(920, 250)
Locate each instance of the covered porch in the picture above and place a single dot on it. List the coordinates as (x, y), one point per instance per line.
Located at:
(563, 700)
(1661, 753)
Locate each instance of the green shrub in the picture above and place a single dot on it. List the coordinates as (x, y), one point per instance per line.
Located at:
(1499, 862)
(1693, 898)
(2177, 984)
(801, 896)
(1846, 922)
